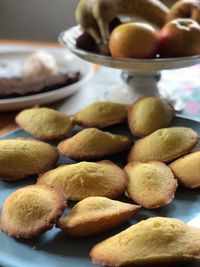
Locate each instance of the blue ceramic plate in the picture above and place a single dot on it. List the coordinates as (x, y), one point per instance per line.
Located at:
(55, 249)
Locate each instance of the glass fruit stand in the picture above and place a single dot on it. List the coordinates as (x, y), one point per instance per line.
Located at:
(140, 76)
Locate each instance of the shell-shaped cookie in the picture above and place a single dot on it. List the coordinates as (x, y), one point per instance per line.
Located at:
(149, 114)
(187, 170)
(32, 210)
(151, 185)
(94, 215)
(45, 123)
(101, 114)
(164, 145)
(91, 144)
(20, 158)
(85, 179)
(153, 241)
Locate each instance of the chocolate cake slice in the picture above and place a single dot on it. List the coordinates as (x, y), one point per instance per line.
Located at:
(23, 86)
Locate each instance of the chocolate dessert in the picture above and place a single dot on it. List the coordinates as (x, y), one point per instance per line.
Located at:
(21, 86)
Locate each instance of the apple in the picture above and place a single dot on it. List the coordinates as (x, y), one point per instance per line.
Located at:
(179, 38)
(133, 40)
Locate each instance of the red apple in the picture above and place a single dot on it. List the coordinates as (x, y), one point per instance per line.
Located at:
(180, 38)
(133, 40)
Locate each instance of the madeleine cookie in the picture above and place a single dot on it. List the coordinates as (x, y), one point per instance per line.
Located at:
(149, 114)
(32, 210)
(101, 114)
(153, 241)
(85, 179)
(152, 184)
(91, 144)
(94, 215)
(187, 170)
(45, 123)
(20, 158)
(164, 145)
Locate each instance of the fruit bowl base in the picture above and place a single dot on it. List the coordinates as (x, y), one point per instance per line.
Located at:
(140, 84)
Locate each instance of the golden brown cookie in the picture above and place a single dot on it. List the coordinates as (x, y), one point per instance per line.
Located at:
(187, 170)
(94, 215)
(31, 211)
(149, 114)
(92, 144)
(185, 9)
(151, 185)
(101, 114)
(20, 158)
(85, 179)
(153, 241)
(45, 123)
(164, 145)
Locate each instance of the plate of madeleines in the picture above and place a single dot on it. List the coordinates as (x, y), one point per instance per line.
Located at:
(111, 185)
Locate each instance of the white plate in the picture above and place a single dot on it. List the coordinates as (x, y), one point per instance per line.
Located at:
(65, 60)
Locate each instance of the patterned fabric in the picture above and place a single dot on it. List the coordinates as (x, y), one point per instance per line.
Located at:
(184, 84)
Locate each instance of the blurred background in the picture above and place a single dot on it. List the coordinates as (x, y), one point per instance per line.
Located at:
(35, 20)
(40, 20)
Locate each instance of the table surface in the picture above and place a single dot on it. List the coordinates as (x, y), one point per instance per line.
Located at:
(183, 83)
